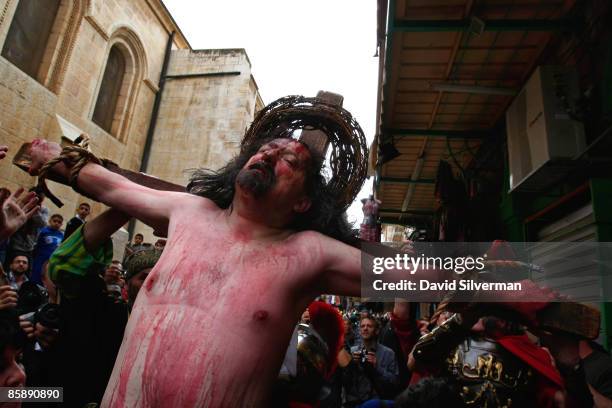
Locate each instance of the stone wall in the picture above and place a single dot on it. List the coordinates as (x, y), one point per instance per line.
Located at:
(208, 101)
(78, 47)
(202, 118)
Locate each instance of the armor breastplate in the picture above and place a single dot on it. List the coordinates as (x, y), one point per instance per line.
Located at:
(490, 376)
(308, 384)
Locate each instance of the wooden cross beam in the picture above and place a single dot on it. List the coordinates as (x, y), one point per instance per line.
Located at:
(315, 139)
(583, 321)
(23, 160)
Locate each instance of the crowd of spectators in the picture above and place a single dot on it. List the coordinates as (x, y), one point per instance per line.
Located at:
(64, 301)
(394, 359)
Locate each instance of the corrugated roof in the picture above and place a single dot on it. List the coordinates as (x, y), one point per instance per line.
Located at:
(436, 43)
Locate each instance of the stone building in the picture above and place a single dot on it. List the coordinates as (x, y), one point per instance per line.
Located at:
(96, 66)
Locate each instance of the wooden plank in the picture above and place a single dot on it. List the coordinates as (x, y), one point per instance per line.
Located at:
(23, 161)
(316, 140)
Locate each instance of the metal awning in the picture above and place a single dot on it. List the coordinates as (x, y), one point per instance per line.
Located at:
(449, 70)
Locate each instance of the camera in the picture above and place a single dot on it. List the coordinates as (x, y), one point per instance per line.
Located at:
(363, 355)
(30, 298)
(114, 291)
(32, 306)
(48, 315)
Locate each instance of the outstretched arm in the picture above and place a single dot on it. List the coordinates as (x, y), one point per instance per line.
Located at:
(341, 266)
(97, 231)
(151, 206)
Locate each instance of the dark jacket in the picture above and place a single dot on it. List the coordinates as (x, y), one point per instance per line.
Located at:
(73, 224)
(362, 382)
(389, 338)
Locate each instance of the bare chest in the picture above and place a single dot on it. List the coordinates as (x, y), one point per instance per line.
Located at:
(207, 266)
(214, 294)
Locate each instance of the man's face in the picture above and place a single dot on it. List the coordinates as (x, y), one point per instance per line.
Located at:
(347, 325)
(20, 264)
(11, 372)
(56, 223)
(278, 169)
(111, 275)
(83, 211)
(135, 283)
(138, 240)
(367, 329)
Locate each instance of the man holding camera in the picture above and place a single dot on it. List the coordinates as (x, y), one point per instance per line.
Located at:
(39, 320)
(371, 370)
(16, 276)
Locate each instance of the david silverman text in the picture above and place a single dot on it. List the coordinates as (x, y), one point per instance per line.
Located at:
(464, 284)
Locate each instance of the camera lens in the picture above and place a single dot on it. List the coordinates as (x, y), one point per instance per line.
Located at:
(49, 316)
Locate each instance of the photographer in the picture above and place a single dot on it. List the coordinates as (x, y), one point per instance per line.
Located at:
(39, 321)
(112, 278)
(370, 371)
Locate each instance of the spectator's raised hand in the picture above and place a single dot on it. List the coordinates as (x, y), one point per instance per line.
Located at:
(371, 358)
(3, 150)
(8, 297)
(15, 210)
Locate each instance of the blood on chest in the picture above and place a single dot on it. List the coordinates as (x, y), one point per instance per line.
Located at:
(207, 268)
(201, 281)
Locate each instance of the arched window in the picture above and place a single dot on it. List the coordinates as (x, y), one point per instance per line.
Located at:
(110, 89)
(119, 85)
(28, 34)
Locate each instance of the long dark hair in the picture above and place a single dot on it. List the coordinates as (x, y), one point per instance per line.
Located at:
(324, 214)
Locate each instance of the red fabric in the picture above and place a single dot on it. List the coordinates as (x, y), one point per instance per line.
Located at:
(549, 381)
(500, 250)
(527, 302)
(406, 331)
(327, 321)
(533, 355)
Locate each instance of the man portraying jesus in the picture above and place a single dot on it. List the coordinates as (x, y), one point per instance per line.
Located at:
(249, 247)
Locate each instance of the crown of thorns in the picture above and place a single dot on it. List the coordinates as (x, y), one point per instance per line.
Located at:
(349, 151)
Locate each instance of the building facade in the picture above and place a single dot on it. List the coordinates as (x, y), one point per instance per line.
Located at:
(93, 66)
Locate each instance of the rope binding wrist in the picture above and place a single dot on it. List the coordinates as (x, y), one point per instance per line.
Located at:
(75, 157)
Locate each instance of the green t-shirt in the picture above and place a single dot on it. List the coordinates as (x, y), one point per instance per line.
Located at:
(71, 262)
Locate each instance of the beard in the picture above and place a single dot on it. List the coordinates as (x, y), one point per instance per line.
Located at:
(256, 179)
